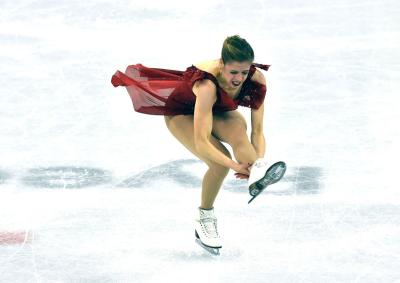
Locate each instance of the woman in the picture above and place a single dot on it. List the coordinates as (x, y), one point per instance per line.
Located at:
(199, 106)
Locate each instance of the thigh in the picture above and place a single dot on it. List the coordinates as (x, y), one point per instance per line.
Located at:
(181, 127)
(229, 127)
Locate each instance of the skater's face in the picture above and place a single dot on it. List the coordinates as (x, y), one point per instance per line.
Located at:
(235, 73)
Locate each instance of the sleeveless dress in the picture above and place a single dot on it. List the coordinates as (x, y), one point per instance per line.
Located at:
(166, 92)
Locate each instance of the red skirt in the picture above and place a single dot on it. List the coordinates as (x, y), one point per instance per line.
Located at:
(158, 91)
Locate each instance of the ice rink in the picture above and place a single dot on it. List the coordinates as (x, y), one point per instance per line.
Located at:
(91, 191)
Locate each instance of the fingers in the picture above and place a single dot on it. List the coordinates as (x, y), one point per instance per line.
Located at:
(245, 171)
(242, 171)
(241, 176)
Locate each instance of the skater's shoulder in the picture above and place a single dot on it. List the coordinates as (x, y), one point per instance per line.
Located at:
(258, 77)
(210, 83)
(208, 66)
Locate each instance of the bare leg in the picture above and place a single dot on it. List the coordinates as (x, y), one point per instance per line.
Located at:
(212, 182)
(230, 127)
(181, 126)
(243, 150)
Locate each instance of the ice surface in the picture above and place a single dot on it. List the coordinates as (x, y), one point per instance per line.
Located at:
(91, 191)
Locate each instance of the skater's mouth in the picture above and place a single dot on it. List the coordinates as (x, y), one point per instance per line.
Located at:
(235, 83)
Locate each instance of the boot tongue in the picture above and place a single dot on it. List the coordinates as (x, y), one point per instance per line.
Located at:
(209, 221)
(207, 213)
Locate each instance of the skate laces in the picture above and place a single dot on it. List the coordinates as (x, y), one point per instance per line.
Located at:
(210, 226)
(209, 223)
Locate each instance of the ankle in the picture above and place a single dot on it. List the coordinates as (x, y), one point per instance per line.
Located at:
(206, 207)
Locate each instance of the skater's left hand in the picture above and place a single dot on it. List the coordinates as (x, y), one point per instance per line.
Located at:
(243, 171)
(241, 176)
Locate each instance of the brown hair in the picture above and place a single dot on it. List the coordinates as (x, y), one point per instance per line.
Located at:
(237, 49)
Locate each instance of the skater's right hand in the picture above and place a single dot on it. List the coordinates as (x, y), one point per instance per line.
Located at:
(242, 170)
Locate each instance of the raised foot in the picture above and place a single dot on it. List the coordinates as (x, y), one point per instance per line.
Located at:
(274, 173)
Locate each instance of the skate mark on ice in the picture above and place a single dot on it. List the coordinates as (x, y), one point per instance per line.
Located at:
(174, 170)
(301, 180)
(4, 176)
(68, 177)
(307, 180)
(196, 254)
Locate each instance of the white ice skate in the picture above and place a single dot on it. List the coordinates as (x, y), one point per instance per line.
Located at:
(257, 171)
(206, 231)
(261, 176)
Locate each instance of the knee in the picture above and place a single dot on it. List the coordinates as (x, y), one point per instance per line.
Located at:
(244, 150)
(238, 136)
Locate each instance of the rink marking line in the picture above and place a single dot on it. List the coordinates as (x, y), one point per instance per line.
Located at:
(14, 237)
(18, 238)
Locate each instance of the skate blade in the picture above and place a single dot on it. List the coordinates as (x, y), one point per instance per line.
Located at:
(252, 199)
(214, 251)
(274, 173)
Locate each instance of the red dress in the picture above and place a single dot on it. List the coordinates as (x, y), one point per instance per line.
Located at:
(169, 92)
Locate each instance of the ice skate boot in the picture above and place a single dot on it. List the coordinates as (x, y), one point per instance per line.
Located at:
(261, 177)
(206, 231)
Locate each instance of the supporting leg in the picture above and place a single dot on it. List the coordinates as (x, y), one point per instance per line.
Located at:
(181, 127)
(212, 182)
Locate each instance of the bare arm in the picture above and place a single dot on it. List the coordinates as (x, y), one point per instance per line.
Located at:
(257, 118)
(203, 119)
(257, 132)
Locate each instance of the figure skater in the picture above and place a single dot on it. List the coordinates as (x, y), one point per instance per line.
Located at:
(200, 109)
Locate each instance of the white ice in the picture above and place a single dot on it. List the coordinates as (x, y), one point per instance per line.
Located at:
(105, 194)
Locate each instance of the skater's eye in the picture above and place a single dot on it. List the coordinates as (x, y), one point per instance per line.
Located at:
(235, 72)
